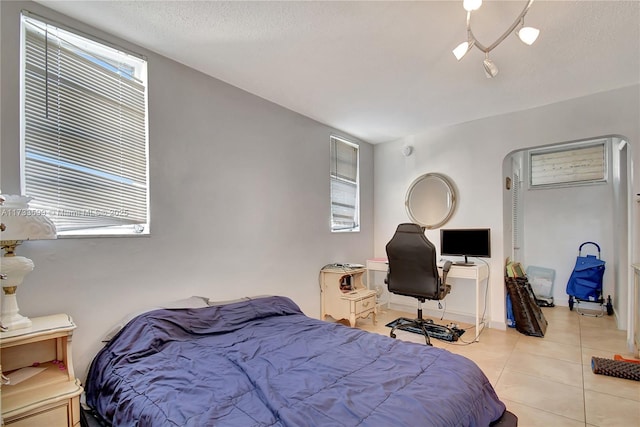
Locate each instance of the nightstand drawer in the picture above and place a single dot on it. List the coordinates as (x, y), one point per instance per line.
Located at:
(367, 303)
(54, 417)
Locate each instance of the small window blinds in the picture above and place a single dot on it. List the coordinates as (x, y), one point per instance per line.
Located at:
(345, 189)
(84, 131)
(577, 164)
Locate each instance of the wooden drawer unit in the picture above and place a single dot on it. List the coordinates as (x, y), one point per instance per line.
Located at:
(42, 389)
(344, 296)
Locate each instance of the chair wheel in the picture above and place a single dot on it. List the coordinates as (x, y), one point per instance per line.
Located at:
(392, 335)
(570, 303)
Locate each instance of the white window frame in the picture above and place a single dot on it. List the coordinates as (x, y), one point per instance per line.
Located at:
(574, 171)
(340, 207)
(84, 191)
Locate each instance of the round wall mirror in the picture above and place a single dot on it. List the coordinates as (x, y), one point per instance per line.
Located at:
(431, 200)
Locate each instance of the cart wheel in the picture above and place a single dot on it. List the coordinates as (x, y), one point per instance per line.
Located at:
(609, 306)
(570, 303)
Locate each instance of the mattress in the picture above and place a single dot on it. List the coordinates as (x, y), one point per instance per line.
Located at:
(262, 362)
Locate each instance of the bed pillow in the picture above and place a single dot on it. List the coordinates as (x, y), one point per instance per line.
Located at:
(231, 301)
(191, 302)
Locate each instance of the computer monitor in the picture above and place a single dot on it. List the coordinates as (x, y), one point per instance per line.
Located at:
(466, 242)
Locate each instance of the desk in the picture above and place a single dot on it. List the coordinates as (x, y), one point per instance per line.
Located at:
(476, 272)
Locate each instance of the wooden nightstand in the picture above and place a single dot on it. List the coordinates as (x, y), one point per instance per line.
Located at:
(344, 296)
(51, 397)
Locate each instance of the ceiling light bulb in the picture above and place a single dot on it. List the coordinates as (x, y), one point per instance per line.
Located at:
(490, 68)
(470, 5)
(461, 50)
(528, 35)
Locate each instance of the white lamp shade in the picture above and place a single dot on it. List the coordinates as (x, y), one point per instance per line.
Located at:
(461, 50)
(470, 5)
(528, 35)
(22, 223)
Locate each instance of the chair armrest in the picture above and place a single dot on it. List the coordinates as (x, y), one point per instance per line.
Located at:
(445, 270)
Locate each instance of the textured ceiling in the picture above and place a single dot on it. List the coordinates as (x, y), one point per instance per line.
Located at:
(382, 70)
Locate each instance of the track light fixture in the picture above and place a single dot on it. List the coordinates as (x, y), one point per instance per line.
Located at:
(528, 35)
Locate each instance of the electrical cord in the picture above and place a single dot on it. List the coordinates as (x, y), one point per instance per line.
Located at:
(444, 310)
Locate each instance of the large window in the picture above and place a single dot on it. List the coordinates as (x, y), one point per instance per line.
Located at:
(84, 131)
(345, 186)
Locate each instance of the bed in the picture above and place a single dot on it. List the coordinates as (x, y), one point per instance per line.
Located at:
(262, 362)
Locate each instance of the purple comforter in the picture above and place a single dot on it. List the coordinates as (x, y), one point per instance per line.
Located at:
(261, 362)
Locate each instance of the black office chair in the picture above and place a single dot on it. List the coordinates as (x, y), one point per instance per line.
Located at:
(413, 272)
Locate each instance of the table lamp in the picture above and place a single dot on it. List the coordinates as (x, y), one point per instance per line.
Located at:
(19, 223)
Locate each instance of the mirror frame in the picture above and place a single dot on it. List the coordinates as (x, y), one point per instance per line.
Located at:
(449, 191)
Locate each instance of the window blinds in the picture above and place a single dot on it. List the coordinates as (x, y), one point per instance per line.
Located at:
(577, 164)
(344, 186)
(85, 130)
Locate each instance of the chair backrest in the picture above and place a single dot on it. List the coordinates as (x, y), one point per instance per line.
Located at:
(412, 264)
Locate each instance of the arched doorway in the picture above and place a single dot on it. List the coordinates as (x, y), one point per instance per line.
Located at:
(545, 225)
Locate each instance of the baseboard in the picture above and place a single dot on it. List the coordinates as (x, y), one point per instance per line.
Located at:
(501, 326)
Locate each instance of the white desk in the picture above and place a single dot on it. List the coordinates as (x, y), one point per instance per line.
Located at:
(477, 272)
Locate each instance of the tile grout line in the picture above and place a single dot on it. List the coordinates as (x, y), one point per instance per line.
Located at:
(513, 349)
(548, 412)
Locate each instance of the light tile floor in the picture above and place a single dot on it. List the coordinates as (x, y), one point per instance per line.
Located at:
(547, 381)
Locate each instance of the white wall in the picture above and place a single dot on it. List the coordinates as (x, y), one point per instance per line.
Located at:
(239, 203)
(472, 155)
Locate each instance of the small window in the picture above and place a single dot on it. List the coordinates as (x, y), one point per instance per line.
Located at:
(84, 131)
(582, 163)
(345, 186)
